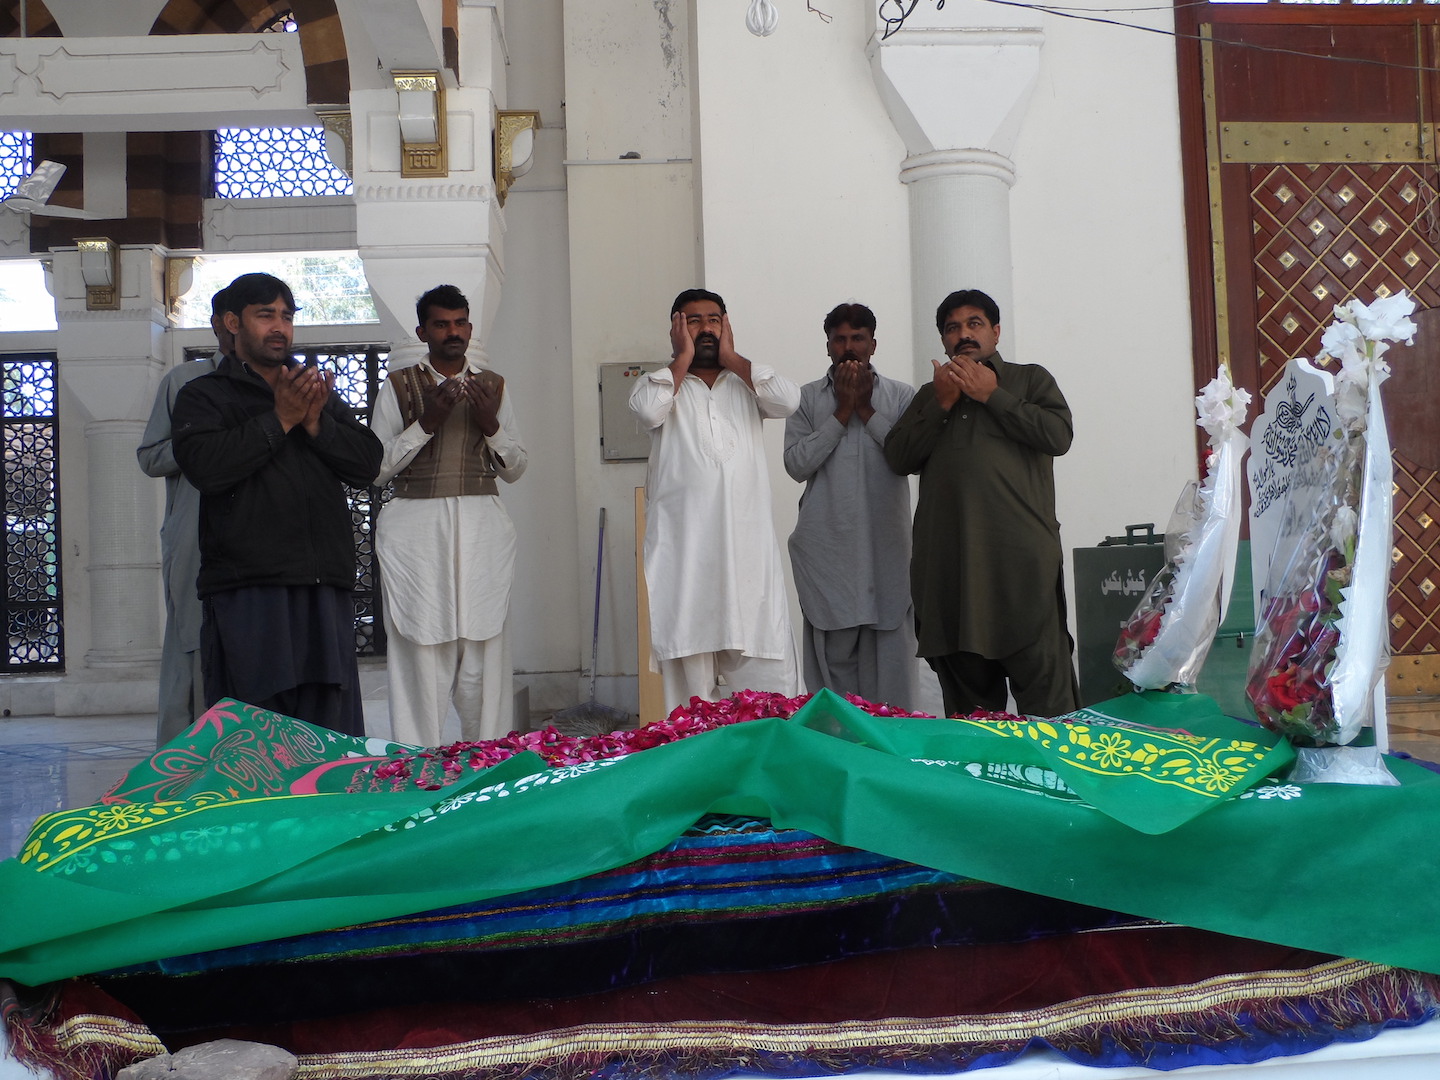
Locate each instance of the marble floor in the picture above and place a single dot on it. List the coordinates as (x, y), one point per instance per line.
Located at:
(50, 763)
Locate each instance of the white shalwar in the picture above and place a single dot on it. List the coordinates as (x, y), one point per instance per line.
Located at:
(718, 606)
(447, 565)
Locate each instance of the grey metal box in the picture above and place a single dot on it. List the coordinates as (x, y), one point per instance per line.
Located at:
(621, 438)
(1107, 588)
(1110, 579)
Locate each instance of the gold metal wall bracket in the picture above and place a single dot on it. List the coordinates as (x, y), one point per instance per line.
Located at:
(336, 121)
(422, 123)
(509, 123)
(179, 278)
(100, 271)
(1414, 676)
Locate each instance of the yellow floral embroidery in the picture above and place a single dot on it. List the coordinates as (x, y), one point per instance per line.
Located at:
(1111, 750)
(1211, 767)
(56, 837)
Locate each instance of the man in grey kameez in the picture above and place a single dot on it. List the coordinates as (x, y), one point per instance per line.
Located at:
(850, 550)
(182, 689)
(987, 576)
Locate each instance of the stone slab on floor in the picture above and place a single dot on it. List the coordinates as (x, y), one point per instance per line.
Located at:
(224, 1059)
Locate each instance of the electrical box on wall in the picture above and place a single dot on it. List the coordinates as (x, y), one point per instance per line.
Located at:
(621, 437)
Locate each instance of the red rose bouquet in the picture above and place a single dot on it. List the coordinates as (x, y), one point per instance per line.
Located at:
(1321, 643)
(1298, 633)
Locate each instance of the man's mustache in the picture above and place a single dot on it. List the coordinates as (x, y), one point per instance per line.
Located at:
(965, 341)
(708, 338)
(454, 341)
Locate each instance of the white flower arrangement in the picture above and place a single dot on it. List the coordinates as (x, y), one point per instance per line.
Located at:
(1166, 640)
(1317, 671)
(1359, 338)
(1222, 407)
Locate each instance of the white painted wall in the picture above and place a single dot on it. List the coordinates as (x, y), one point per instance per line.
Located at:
(530, 345)
(803, 208)
(1100, 276)
(632, 240)
(768, 171)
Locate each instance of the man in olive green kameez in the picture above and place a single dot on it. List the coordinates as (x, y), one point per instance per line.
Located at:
(986, 574)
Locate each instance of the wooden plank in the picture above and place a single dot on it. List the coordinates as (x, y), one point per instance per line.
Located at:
(652, 686)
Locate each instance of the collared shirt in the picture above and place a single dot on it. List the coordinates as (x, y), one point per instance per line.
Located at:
(273, 509)
(986, 572)
(712, 563)
(448, 563)
(402, 443)
(850, 551)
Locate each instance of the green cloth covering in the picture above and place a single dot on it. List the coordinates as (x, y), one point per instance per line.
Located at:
(1337, 869)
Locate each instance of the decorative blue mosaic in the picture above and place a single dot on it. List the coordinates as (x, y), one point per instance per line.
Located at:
(275, 163)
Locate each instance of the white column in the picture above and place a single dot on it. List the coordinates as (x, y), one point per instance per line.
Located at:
(959, 233)
(415, 233)
(110, 364)
(956, 86)
(124, 565)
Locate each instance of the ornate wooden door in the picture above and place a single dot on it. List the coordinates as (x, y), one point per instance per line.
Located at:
(1309, 143)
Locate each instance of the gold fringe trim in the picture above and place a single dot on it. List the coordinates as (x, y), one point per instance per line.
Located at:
(1078, 1020)
(1338, 993)
(84, 1046)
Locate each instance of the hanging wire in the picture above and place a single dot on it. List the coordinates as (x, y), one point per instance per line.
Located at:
(893, 14)
(1070, 13)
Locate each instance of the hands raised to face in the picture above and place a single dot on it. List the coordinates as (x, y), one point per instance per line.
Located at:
(300, 396)
(962, 376)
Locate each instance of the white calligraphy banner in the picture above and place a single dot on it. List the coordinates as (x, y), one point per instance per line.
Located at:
(1286, 481)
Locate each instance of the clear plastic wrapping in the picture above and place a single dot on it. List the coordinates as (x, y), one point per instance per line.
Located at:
(1168, 636)
(1322, 641)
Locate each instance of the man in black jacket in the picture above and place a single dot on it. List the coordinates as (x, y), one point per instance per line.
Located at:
(270, 446)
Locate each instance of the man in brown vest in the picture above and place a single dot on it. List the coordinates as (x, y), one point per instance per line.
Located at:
(446, 544)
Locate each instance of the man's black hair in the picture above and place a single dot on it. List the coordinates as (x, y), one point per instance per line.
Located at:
(689, 296)
(217, 304)
(855, 316)
(967, 298)
(445, 297)
(250, 289)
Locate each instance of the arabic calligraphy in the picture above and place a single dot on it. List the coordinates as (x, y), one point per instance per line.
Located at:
(1290, 443)
(1132, 584)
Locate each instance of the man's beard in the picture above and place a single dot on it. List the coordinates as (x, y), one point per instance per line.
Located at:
(265, 351)
(707, 352)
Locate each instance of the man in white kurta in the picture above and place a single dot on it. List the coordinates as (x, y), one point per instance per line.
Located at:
(719, 616)
(445, 543)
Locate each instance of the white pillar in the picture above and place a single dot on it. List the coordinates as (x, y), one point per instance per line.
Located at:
(959, 235)
(956, 86)
(123, 567)
(414, 233)
(110, 363)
